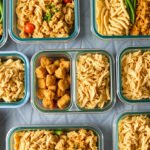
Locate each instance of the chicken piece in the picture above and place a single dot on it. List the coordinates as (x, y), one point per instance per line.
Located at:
(65, 64)
(51, 69)
(63, 101)
(40, 72)
(60, 73)
(52, 88)
(60, 93)
(63, 85)
(57, 63)
(45, 61)
(42, 83)
(50, 80)
(48, 94)
(40, 93)
(47, 103)
(62, 59)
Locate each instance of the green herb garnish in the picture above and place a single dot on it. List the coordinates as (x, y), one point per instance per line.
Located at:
(58, 132)
(48, 16)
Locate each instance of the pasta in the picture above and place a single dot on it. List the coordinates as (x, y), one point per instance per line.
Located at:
(93, 81)
(134, 133)
(136, 75)
(112, 17)
(44, 18)
(81, 139)
(11, 80)
(123, 17)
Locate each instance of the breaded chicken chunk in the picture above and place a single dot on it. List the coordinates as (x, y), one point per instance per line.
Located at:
(40, 72)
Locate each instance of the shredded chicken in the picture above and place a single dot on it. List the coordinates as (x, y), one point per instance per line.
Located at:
(93, 77)
(136, 75)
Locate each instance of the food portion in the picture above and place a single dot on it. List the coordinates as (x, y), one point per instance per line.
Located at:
(135, 74)
(93, 81)
(142, 20)
(123, 17)
(45, 18)
(81, 139)
(1, 17)
(112, 17)
(53, 81)
(12, 86)
(134, 133)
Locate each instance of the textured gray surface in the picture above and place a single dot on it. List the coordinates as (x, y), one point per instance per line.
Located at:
(27, 115)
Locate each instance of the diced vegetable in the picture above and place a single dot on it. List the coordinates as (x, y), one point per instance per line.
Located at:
(48, 16)
(29, 28)
(58, 132)
(67, 1)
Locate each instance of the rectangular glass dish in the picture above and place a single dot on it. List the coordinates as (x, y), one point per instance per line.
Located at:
(119, 76)
(66, 128)
(94, 27)
(14, 32)
(72, 56)
(3, 39)
(18, 55)
(118, 119)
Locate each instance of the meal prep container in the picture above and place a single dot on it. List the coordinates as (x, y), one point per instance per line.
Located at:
(17, 55)
(97, 131)
(95, 30)
(14, 32)
(116, 121)
(3, 39)
(119, 77)
(73, 56)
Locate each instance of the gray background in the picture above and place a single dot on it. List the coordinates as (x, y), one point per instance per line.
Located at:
(27, 115)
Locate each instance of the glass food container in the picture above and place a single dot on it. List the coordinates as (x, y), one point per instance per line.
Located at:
(14, 32)
(97, 132)
(94, 27)
(119, 77)
(17, 55)
(119, 118)
(71, 55)
(3, 38)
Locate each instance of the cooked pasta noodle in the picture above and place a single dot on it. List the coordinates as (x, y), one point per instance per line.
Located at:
(112, 17)
(81, 139)
(134, 133)
(50, 18)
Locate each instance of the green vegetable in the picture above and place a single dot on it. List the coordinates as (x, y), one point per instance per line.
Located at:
(55, 9)
(48, 16)
(58, 132)
(127, 7)
(132, 10)
(1, 11)
(134, 4)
